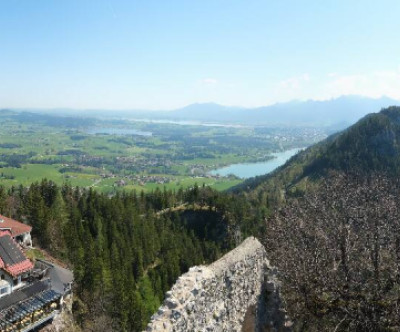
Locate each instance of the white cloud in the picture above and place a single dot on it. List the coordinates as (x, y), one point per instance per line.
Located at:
(209, 81)
(376, 84)
(294, 82)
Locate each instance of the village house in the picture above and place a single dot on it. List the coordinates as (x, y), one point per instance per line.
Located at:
(20, 232)
(14, 266)
(31, 293)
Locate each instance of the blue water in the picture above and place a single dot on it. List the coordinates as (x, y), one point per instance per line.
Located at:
(118, 131)
(248, 170)
(190, 123)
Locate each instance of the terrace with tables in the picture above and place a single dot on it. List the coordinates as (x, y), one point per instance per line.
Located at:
(31, 295)
(29, 308)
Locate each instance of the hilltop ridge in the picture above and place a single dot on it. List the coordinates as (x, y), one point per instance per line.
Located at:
(370, 145)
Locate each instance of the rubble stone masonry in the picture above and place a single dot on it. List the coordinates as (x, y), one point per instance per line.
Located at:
(221, 296)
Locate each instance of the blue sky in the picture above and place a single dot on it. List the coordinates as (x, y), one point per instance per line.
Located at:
(165, 54)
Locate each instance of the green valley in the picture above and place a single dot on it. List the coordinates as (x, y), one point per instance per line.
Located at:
(112, 155)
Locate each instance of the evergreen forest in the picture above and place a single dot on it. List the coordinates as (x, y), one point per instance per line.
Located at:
(126, 251)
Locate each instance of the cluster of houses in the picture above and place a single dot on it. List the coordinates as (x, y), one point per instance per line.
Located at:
(142, 180)
(31, 293)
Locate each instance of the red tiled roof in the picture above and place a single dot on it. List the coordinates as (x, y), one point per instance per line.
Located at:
(17, 268)
(17, 228)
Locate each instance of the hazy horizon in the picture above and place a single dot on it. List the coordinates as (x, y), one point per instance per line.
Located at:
(122, 110)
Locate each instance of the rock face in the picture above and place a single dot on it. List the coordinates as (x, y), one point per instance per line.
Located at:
(220, 297)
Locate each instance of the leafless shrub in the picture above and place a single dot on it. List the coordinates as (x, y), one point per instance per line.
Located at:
(338, 250)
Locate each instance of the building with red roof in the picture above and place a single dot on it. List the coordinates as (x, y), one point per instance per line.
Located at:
(31, 293)
(19, 231)
(14, 265)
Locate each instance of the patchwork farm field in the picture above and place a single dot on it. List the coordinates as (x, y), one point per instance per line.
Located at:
(112, 155)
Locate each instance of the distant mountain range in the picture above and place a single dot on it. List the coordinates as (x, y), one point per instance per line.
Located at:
(343, 110)
(340, 112)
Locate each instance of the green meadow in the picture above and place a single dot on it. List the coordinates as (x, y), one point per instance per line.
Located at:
(86, 152)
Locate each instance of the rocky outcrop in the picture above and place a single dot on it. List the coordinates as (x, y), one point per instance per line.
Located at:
(236, 293)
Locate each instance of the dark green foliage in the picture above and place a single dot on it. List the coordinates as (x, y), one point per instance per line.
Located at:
(55, 121)
(370, 145)
(10, 145)
(127, 250)
(15, 160)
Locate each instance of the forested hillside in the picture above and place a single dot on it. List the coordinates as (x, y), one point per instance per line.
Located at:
(126, 251)
(370, 145)
(334, 232)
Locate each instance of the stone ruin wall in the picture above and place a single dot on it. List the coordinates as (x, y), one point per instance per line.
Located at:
(221, 296)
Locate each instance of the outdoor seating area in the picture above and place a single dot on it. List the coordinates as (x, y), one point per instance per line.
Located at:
(23, 314)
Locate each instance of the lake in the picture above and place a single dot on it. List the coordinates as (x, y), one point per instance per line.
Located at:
(118, 131)
(248, 170)
(189, 123)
